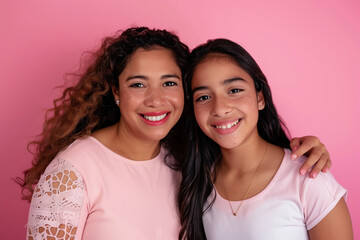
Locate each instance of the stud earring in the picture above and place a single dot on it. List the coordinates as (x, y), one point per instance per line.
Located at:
(117, 102)
(261, 107)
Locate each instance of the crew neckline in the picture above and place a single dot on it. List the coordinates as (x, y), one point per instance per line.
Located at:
(111, 152)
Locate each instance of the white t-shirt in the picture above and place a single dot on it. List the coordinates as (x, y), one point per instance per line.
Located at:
(286, 209)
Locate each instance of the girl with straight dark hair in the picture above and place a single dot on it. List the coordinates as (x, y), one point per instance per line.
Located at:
(239, 181)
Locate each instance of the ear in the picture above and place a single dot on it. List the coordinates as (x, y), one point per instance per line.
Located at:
(261, 100)
(115, 92)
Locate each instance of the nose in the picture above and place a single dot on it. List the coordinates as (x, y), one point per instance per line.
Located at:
(154, 97)
(220, 107)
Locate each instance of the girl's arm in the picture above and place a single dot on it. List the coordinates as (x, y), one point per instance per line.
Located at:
(336, 225)
(318, 157)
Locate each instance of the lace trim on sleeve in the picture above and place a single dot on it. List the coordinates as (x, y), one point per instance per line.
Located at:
(56, 203)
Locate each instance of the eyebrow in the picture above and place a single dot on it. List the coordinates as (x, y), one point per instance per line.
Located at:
(230, 80)
(170, 76)
(225, 82)
(146, 78)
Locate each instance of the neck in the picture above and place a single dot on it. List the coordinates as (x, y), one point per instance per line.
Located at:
(128, 146)
(245, 157)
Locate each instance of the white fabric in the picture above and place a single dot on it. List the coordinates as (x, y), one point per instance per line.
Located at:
(289, 206)
(57, 202)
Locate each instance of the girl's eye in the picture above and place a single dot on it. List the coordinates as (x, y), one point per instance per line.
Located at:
(236, 90)
(202, 98)
(169, 84)
(137, 85)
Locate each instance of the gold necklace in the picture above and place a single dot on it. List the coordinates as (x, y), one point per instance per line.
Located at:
(248, 189)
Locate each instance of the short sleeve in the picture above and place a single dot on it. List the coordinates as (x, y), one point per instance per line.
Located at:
(56, 203)
(319, 197)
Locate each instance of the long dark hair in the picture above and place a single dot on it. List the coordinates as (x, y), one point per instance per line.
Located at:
(198, 169)
(89, 105)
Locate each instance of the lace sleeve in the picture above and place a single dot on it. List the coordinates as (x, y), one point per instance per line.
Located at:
(56, 204)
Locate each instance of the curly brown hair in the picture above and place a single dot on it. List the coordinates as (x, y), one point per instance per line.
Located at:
(89, 105)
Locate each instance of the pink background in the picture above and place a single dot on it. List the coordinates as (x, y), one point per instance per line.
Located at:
(310, 52)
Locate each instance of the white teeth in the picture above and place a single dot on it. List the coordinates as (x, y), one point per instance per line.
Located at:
(155, 118)
(229, 125)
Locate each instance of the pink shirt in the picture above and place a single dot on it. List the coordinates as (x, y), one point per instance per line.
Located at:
(90, 192)
(286, 209)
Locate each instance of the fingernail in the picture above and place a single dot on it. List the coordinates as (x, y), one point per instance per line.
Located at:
(325, 170)
(302, 171)
(293, 157)
(314, 175)
(295, 148)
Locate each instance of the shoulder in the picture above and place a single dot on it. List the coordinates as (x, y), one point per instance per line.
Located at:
(292, 167)
(82, 157)
(83, 148)
(325, 181)
(80, 145)
(317, 196)
(323, 186)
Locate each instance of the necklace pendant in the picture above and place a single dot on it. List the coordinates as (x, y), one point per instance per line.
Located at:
(234, 214)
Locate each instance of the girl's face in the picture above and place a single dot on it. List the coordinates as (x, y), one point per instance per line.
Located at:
(150, 94)
(225, 101)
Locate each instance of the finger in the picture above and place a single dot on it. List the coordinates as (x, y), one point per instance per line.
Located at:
(328, 164)
(295, 143)
(305, 147)
(318, 166)
(314, 157)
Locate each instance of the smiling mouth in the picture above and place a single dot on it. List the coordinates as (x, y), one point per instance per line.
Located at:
(227, 126)
(155, 118)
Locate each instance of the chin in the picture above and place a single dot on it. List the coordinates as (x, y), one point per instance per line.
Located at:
(157, 137)
(228, 145)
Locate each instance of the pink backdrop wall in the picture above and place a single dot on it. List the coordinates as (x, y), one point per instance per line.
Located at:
(310, 52)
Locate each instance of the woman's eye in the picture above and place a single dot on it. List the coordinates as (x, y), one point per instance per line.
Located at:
(169, 84)
(137, 85)
(202, 98)
(235, 90)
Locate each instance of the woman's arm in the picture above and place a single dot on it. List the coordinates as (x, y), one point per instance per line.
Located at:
(57, 205)
(318, 156)
(336, 225)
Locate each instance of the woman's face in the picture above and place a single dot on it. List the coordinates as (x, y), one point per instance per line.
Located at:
(225, 101)
(150, 94)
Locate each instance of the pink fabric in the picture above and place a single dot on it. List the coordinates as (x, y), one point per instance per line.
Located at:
(289, 206)
(110, 198)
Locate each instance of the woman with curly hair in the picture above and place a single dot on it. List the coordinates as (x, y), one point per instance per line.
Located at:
(105, 165)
